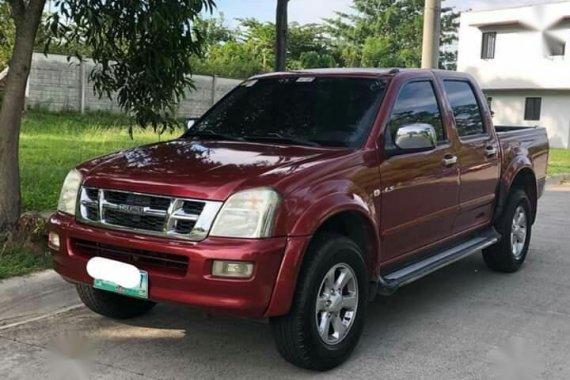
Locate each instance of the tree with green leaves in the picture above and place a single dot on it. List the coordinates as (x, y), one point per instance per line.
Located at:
(7, 35)
(251, 50)
(387, 33)
(143, 51)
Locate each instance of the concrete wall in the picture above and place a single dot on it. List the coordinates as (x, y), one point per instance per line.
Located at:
(58, 84)
(555, 114)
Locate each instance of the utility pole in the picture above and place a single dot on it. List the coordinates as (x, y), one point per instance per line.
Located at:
(282, 31)
(432, 31)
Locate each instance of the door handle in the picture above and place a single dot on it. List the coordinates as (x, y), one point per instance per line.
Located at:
(490, 151)
(449, 160)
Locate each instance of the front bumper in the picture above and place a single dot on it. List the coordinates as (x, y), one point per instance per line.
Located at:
(268, 292)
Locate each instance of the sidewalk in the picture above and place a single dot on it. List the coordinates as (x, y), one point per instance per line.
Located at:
(34, 296)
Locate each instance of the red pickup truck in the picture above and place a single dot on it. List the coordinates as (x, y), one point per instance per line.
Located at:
(299, 197)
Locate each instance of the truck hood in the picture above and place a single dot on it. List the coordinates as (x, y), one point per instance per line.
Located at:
(200, 169)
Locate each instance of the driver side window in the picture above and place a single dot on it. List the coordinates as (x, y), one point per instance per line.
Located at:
(417, 103)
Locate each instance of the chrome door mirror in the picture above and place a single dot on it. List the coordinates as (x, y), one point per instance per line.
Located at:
(190, 122)
(416, 137)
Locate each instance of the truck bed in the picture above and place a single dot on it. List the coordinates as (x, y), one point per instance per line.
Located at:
(525, 141)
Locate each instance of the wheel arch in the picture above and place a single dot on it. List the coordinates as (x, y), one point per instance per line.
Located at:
(524, 179)
(344, 220)
(358, 227)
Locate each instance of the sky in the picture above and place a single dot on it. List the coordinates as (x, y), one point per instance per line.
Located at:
(307, 11)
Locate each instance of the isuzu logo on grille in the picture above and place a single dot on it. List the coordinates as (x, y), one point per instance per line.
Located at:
(131, 209)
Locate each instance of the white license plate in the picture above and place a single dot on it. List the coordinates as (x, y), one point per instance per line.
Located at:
(114, 276)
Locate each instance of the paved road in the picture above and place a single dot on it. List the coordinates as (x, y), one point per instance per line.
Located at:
(463, 322)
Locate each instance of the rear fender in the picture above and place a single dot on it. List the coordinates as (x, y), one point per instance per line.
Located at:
(519, 166)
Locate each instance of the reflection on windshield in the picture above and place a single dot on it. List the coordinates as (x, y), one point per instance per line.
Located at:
(297, 110)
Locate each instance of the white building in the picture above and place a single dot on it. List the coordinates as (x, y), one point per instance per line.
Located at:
(521, 58)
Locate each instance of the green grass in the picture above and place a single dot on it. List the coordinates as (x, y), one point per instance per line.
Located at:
(53, 143)
(559, 161)
(21, 262)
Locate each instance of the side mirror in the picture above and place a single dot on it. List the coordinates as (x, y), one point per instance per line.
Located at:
(416, 137)
(190, 122)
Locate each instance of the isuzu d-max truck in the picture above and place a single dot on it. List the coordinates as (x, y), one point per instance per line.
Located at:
(299, 197)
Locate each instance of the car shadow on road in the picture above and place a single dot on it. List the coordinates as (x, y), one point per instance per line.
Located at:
(214, 345)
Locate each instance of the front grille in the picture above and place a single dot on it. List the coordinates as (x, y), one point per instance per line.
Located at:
(144, 222)
(146, 260)
(155, 203)
(147, 213)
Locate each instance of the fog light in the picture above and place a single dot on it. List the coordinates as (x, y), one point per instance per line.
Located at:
(233, 269)
(53, 240)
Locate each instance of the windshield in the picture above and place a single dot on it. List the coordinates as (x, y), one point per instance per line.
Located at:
(324, 111)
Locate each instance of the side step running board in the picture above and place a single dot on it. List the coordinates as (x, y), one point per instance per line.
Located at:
(392, 281)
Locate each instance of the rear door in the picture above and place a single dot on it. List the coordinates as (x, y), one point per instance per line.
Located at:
(419, 190)
(478, 154)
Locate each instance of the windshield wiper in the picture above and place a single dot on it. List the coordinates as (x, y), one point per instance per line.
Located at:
(280, 138)
(214, 135)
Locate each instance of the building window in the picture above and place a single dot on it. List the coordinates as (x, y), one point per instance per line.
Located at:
(489, 42)
(532, 108)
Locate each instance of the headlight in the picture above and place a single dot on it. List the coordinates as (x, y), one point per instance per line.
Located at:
(68, 196)
(247, 214)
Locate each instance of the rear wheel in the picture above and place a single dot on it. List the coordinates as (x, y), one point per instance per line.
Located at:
(515, 227)
(112, 305)
(327, 315)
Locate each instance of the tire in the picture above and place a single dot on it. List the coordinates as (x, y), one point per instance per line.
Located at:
(296, 334)
(509, 254)
(112, 305)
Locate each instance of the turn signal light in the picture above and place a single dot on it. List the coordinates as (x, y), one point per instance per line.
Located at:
(53, 241)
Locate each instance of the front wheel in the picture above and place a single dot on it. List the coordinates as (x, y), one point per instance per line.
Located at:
(515, 227)
(328, 311)
(112, 305)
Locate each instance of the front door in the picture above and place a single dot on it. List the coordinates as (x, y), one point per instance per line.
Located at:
(419, 190)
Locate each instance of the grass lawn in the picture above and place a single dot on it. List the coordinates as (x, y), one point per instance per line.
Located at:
(21, 262)
(52, 144)
(559, 161)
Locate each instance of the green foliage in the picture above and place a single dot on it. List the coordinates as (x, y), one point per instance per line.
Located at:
(68, 139)
(313, 60)
(7, 34)
(143, 49)
(248, 49)
(214, 30)
(21, 262)
(387, 33)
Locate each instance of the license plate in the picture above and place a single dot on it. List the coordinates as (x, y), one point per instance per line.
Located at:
(140, 291)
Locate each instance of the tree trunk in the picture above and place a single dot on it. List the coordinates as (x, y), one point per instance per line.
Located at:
(27, 19)
(281, 43)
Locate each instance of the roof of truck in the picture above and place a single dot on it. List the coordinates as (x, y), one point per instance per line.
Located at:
(343, 71)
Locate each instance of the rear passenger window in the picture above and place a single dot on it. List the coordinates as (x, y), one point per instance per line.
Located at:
(417, 104)
(466, 110)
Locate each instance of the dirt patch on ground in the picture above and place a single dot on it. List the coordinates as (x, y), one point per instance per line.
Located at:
(30, 234)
